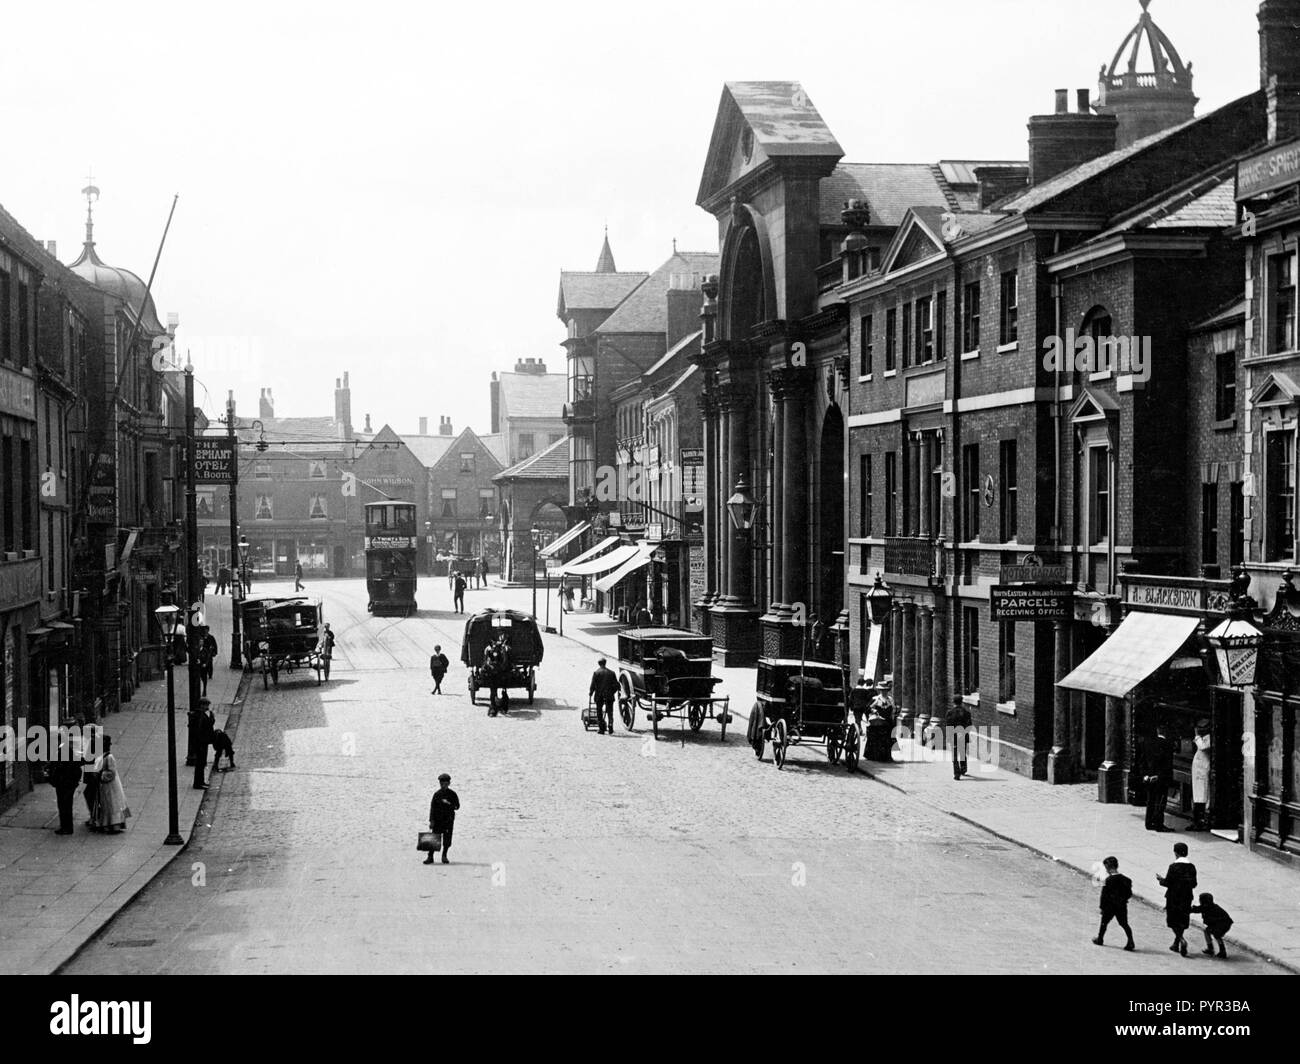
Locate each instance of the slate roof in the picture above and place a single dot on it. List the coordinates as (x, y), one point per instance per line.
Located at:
(308, 431)
(783, 118)
(594, 291)
(495, 442)
(533, 395)
(683, 344)
(645, 310)
(1207, 201)
(1215, 209)
(552, 463)
(428, 450)
(889, 189)
(1234, 311)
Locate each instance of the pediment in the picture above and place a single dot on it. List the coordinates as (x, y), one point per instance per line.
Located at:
(1277, 389)
(1092, 407)
(915, 241)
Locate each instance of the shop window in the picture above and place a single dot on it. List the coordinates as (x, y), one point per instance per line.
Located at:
(970, 317)
(1209, 524)
(1009, 324)
(1281, 302)
(1279, 495)
(970, 650)
(1225, 385)
(1009, 476)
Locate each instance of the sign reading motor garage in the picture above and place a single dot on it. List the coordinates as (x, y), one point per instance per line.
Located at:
(1029, 603)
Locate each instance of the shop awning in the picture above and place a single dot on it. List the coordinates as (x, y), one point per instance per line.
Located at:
(1138, 647)
(590, 553)
(641, 555)
(562, 541)
(603, 564)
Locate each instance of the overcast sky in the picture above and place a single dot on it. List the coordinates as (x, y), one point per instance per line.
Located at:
(393, 188)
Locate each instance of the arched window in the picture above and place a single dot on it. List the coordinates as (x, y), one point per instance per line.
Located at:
(1099, 328)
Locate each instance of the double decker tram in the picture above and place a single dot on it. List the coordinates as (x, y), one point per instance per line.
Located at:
(390, 557)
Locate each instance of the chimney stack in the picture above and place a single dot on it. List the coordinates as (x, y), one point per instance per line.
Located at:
(1279, 66)
(52, 247)
(444, 426)
(424, 426)
(1062, 141)
(494, 398)
(534, 367)
(1085, 105)
(265, 404)
(367, 428)
(343, 407)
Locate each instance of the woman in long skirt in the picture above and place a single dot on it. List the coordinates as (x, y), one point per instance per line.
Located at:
(113, 809)
(1201, 776)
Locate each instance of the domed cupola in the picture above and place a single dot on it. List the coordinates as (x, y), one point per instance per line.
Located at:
(122, 284)
(1147, 86)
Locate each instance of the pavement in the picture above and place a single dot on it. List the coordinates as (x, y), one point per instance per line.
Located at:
(57, 891)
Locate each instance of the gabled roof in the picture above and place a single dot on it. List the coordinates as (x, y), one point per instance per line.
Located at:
(889, 190)
(1234, 311)
(428, 450)
(1092, 406)
(549, 464)
(780, 119)
(645, 310)
(594, 291)
(533, 395)
(685, 343)
(918, 238)
(1277, 389)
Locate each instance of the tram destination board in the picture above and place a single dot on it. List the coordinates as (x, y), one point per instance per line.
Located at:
(1020, 602)
(214, 460)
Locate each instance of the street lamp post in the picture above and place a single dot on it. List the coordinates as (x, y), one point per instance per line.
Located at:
(535, 534)
(168, 617)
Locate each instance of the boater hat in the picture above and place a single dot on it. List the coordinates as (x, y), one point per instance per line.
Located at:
(444, 776)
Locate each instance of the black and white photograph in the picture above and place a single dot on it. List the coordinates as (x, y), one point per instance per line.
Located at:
(879, 420)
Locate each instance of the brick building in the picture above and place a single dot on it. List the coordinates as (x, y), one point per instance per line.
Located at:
(528, 408)
(532, 494)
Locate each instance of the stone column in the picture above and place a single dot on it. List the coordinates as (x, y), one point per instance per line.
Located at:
(925, 714)
(779, 486)
(726, 481)
(940, 695)
(739, 558)
(794, 531)
(1110, 776)
(907, 692)
(896, 648)
(1060, 767)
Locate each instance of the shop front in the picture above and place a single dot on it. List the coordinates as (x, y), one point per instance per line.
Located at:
(1276, 792)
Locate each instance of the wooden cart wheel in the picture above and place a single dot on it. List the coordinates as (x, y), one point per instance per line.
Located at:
(851, 748)
(755, 733)
(695, 716)
(532, 685)
(726, 716)
(832, 748)
(626, 701)
(780, 743)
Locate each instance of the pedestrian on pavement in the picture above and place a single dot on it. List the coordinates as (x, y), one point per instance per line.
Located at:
(458, 593)
(207, 655)
(1116, 890)
(883, 704)
(203, 724)
(643, 616)
(223, 579)
(327, 648)
(860, 702)
(297, 576)
(65, 775)
(89, 777)
(604, 686)
(111, 807)
(1217, 924)
(957, 724)
(442, 815)
(222, 744)
(1179, 882)
(482, 571)
(1201, 776)
(438, 665)
(496, 668)
(451, 578)
(1160, 774)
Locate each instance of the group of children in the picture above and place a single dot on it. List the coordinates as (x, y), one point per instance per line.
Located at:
(1179, 882)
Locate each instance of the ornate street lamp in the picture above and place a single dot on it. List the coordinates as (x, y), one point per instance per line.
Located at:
(880, 600)
(168, 619)
(742, 507)
(535, 534)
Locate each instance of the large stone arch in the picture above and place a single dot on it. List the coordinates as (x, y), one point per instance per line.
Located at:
(747, 278)
(829, 543)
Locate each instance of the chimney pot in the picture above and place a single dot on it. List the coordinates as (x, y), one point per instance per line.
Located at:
(1062, 101)
(1085, 107)
(424, 426)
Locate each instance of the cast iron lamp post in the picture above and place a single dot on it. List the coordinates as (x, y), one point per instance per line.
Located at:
(168, 618)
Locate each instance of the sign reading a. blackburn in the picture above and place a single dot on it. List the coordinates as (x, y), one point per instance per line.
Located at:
(214, 460)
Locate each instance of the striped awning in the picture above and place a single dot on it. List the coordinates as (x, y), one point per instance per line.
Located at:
(564, 540)
(1138, 647)
(641, 555)
(603, 564)
(590, 553)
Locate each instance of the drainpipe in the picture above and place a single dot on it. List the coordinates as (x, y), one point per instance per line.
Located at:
(1056, 415)
(954, 455)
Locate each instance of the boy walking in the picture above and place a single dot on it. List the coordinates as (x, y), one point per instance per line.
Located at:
(1217, 924)
(438, 665)
(1115, 893)
(442, 815)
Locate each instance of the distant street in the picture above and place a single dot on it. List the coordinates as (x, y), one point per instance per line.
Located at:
(575, 853)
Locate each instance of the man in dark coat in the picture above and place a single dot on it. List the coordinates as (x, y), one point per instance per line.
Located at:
(202, 723)
(458, 593)
(1115, 893)
(297, 576)
(1180, 884)
(442, 815)
(604, 686)
(1160, 774)
(957, 723)
(438, 665)
(208, 651)
(65, 774)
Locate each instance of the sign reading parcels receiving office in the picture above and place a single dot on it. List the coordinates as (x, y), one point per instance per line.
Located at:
(214, 460)
(1041, 603)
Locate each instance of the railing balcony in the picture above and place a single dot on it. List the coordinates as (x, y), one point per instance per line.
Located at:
(910, 556)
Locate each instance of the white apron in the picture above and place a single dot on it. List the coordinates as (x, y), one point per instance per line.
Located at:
(1201, 770)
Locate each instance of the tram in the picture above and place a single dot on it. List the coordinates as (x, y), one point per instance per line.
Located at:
(391, 546)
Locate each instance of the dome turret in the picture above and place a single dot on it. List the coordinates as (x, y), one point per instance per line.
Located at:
(122, 284)
(1147, 86)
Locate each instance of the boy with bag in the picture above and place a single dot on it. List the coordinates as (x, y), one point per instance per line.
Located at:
(1217, 924)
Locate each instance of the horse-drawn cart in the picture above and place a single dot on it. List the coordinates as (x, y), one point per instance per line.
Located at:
(800, 702)
(668, 672)
(502, 649)
(281, 635)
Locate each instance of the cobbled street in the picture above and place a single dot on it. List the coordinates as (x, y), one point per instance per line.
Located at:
(576, 853)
